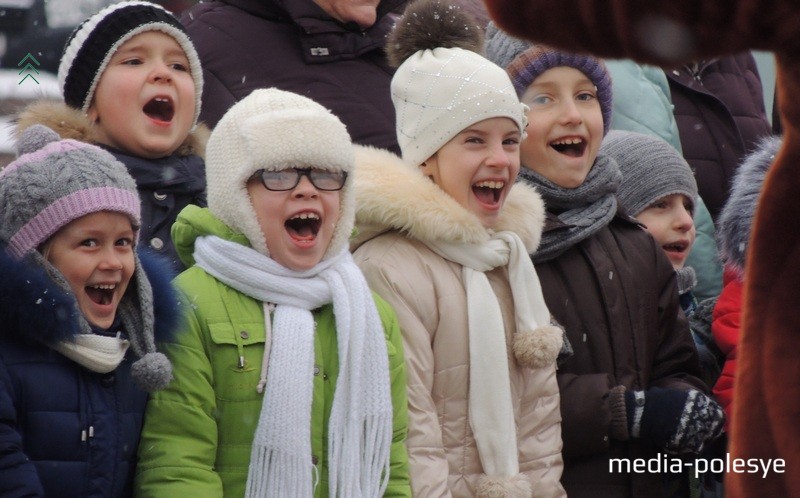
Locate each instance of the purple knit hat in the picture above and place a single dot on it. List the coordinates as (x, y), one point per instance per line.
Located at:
(531, 63)
(54, 182)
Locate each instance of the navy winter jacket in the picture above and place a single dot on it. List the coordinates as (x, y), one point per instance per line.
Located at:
(65, 431)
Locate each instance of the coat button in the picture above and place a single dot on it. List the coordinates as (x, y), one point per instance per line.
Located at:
(314, 459)
(156, 243)
(316, 369)
(159, 196)
(244, 335)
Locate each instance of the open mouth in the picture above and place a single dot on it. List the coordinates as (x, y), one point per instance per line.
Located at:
(572, 147)
(303, 226)
(678, 247)
(101, 293)
(160, 109)
(488, 192)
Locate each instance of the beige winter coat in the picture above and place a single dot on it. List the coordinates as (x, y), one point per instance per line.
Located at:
(398, 209)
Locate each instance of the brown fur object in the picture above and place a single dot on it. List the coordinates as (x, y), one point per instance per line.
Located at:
(767, 402)
(428, 24)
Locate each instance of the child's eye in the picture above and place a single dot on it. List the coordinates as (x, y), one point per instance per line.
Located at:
(659, 205)
(89, 243)
(586, 96)
(132, 62)
(179, 67)
(125, 242)
(540, 100)
(473, 140)
(511, 141)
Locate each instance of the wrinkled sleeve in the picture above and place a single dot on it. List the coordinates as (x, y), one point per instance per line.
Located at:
(427, 460)
(399, 483)
(18, 475)
(178, 446)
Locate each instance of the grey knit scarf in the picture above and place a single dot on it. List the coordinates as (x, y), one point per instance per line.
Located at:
(584, 209)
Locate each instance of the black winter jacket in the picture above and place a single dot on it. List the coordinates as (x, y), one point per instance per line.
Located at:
(295, 46)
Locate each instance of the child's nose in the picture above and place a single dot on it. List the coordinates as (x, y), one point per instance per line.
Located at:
(499, 157)
(160, 73)
(684, 220)
(570, 112)
(305, 188)
(110, 260)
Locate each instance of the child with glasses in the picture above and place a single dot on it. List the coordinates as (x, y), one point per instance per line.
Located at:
(444, 236)
(289, 373)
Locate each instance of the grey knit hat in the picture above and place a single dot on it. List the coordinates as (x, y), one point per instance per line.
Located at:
(651, 169)
(54, 182)
(91, 45)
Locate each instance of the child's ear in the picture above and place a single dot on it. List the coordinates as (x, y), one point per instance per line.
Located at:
(92, 114)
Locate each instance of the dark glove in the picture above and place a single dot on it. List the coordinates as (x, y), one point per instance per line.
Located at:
(676, 420)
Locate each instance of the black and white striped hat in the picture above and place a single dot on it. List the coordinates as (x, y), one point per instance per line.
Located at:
(91, 46)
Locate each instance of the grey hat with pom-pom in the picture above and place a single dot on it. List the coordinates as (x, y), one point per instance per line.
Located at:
(54, 182)
(443, 84)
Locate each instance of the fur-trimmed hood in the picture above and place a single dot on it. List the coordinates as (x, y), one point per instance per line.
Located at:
(394, 195)
(33, 308)
(74, 124)
(736, 218)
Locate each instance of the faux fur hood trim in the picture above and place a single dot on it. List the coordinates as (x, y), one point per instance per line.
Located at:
(394, 195)
(736, 218)
(72, 123)
(34, 309)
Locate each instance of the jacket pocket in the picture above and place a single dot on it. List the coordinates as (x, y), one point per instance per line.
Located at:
(237, 356)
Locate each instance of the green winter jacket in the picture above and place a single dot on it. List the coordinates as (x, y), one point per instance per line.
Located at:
(198, 432)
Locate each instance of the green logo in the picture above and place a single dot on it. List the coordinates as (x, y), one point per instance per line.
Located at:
(28, 67)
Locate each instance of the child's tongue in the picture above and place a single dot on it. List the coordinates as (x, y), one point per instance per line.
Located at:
(485, 194)
(302, 232)
(99, 296)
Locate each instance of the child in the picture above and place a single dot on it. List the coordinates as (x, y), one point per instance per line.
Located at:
(79, 314)
(735, 224)
(631, 389)
(290, 379)
(444, 237)
(132, 82)
(659, 190)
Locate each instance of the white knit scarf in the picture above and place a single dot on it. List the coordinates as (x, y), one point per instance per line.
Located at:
(360, 425)
(98, 353)
(491, 411)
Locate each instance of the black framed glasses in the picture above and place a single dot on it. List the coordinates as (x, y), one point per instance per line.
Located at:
(287, 179)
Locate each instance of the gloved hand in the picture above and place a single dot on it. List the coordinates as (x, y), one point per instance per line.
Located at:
(676, 420)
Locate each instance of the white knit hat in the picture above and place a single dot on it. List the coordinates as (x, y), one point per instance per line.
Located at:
(273, 129)
(439, 92)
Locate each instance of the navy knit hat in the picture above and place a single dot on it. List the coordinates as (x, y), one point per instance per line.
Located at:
(532, 62)
(92, 44)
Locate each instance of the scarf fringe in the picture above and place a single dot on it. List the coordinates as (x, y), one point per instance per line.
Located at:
(289, 474)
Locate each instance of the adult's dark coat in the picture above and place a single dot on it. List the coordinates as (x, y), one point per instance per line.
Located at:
(615, 294)
(295, 46)
(719, 108)
(65, 431)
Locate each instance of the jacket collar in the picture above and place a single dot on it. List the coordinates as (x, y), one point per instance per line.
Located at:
(393, 195)
(323, 38)
(72, 123)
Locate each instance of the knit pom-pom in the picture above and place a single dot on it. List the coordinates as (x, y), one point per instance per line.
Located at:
(538, 348)
(152, 372)
(428, 24)
(503, 487)
(34, 138)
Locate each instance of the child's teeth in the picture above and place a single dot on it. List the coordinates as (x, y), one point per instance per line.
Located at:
(305, 216)
(106, 287)
(569, 141)
(490, 184)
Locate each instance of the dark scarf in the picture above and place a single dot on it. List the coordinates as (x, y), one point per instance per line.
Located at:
(583, 210)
